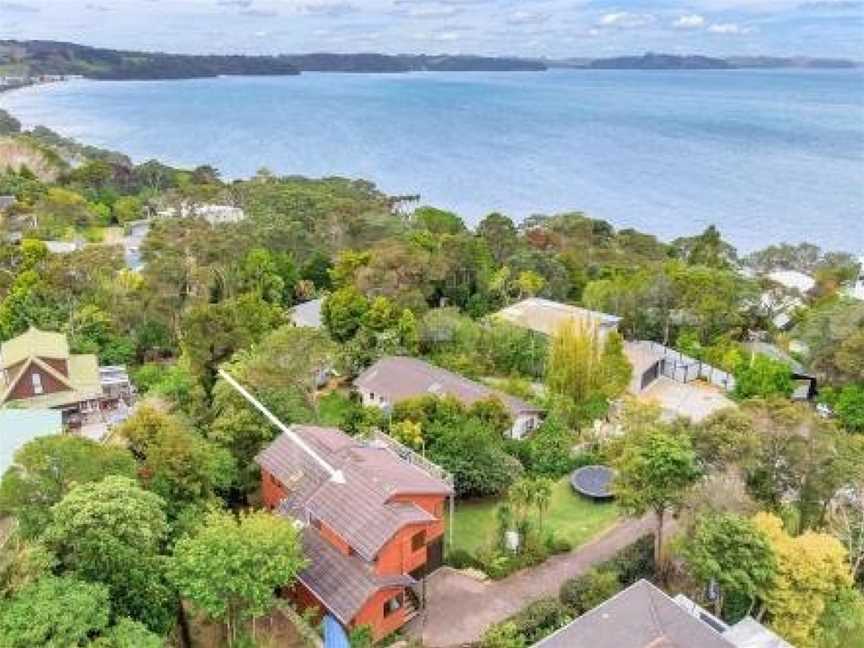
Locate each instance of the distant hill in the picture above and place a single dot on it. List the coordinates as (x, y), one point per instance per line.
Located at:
(50, 57)
(36, 58)
(660, 62)
(789, 62)
(325, 62)
(652, 61)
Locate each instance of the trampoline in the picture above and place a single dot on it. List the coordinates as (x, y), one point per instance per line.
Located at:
(594, 482)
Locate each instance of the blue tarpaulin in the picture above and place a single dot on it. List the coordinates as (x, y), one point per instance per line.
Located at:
(334, 634)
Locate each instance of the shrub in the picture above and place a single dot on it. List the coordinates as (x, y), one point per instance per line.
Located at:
(502, 635)
(587, 591)
(557, 545)
(540, 618)
(461, 559)
(634, 562)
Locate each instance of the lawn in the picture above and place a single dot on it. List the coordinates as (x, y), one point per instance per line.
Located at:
(570, 516)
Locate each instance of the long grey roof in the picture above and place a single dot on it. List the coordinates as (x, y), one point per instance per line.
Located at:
(361, 511)
(398, 378)
(641, 616)
(343, 583)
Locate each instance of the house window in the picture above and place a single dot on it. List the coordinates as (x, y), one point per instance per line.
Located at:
(372, 396)
(37, 383)
(393, 605)
(418, 541)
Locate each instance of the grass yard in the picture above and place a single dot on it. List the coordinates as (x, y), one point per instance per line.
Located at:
(570, 516)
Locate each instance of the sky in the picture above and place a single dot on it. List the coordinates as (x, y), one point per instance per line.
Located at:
(535, 28)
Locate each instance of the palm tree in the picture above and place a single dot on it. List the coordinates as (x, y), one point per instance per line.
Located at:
(542, 496)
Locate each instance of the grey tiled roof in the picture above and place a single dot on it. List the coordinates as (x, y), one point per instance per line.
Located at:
(343, 583)
(360, 510)
(639, 617)
(399, 378)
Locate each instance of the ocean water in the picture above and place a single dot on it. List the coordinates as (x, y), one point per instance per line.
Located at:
(768, 156)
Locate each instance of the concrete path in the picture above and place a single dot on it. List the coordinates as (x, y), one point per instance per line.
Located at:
(459, 608)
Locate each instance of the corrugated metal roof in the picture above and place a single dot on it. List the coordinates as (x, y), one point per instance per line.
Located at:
(398, 378)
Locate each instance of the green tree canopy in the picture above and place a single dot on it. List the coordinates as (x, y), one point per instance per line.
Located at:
(231, 568)
(47, 468)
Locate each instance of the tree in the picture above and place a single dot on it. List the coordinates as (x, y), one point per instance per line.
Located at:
(529, 283)
(542, 497)
(473, 453)
(811, 571)
(842, 623)
(343, 313)
(655, 472)
(580, 369)
(500, 235)
(112, 532)
(438, 221)
(732, 552)
(47, 468)
(802, 460)
(849, 407)
(127, 633)
(178, 464)
(725, 439)
(54, 612)
(548, 452)
(763, 377)
(231, 568)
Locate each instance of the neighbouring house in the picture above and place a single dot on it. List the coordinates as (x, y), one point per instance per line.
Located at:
(856, 290)
(747, 633)
(369, 540)
(644, 616)
(37, 371)
(213, 214)
(394, 379)
(64, 247)
(547, 317)
(18, 426)
(307, 314)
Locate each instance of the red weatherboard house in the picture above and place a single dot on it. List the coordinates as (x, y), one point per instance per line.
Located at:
(368, 540)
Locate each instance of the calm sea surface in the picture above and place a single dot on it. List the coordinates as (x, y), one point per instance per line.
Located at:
(768, 156)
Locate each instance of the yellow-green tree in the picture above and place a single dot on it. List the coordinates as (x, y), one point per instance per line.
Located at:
(583, 367)
(812, 570)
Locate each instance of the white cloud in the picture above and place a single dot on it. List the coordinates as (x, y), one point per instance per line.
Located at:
(432, 12)
(526, 18)
(625, 20)
(728, 28)
(691, 21)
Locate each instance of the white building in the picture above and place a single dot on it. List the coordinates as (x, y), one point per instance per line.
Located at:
(213, 214)
(857, 289)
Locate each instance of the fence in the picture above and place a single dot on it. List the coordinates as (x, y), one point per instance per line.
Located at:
(682, 368)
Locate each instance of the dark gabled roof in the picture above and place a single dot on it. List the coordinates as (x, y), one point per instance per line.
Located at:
(343, 583)
(361, 511)
(399, 378)
(641, 616)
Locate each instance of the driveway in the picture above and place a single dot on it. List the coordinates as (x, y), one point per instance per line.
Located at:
(695, 400)
(460, 608)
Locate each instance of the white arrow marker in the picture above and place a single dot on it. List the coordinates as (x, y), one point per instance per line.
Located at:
(336, 476)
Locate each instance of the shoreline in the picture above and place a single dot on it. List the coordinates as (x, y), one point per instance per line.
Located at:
(666, 226)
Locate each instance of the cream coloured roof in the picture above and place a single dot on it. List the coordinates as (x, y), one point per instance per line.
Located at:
(41, 344)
